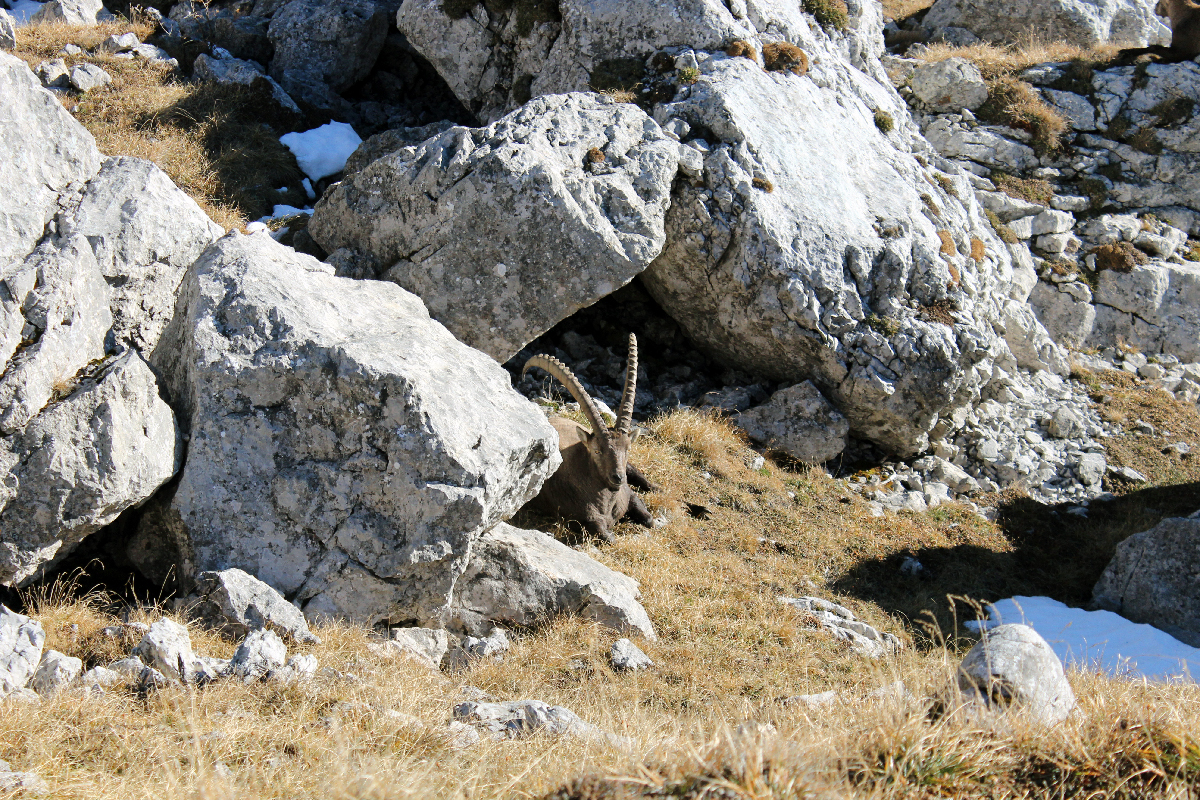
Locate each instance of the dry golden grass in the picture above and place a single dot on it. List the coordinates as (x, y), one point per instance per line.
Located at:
(217, 143)
(903, 9)
(727, 652)
(999, 60)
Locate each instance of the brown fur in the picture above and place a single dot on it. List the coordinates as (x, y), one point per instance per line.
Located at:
(592, 485)
(1185, 35)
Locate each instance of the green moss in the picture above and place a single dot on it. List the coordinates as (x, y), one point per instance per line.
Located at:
(884, 121)
(883, 325)
(829, 13)
(617, 75)
(1003, 231)
(689, 75)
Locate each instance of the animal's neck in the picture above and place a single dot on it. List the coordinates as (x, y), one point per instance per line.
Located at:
(1179, 10)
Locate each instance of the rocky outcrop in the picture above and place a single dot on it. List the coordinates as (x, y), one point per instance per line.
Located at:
(517, 577)
(505, 230)
(335, 44)
(1078, 22)
(238, 603)
(243, 73)
(1013, 666)
(105, 447)
(873, 276)
(21, 640)
(1154, 577)
(799, 421)
(344, 447)
(69, 12)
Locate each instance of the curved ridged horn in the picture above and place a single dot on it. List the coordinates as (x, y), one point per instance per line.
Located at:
(559, 370)
(625, 413)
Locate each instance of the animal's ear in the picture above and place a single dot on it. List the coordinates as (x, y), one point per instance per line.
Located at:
(634, 434)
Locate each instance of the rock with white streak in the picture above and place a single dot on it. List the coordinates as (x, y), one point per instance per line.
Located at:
(518, 577)
(43, 151)
(240, 603)
(464, 220)
(106, 447)
(21, 640)
(258, 654)
(55, 672)
(69, 12)
(1079, 22)
(799, 421)
(1013, 666)
(345, 448)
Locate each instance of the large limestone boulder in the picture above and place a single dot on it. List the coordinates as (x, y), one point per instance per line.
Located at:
(950, 85)
(1065, 310)
(1013, 666)
(505, 230)
(69, 12)
(1154, 577)
(107, 446)
(43, 150)
(874, 276)
(1154, 307)
(144, 231)
(1079, 22)
(344, 447)
(517, 577)
(334, 43)
(494, 60)
(799, 421)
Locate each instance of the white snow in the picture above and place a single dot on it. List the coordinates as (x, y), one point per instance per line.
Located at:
(287, 211)
(323, 151)
(1100, 640)
(308, 190)
(23, 10)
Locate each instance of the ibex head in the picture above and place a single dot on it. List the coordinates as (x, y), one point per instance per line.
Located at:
(608, 448)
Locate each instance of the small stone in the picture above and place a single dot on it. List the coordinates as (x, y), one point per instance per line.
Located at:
(55, 672)
(85, 77)
(118, 44)
(259, 653)
(1013, 665)
(626, 655)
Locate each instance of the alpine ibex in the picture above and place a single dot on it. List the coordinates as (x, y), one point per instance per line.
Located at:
(1185, 34)
(592, 485)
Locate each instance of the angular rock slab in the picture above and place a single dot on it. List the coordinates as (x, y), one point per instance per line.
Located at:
(335, 43)
(345, 448)
(1154, 578)
(1079, 22)
(1154, 307)
(799, 421)
(814, 244)
(506, 230)
(106, 447)
(240, 603)
(21, 640)
(43, 150)
(1013, 665)
(519, 577)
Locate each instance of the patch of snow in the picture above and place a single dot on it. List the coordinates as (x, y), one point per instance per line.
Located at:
(323, 151)
(257, 227)
(283, 210)
(23, 10)
(1100, 640)
(308, 190)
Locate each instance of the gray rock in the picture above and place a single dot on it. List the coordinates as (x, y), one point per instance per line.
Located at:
(8, 31)
(982, 145)
(144, 231)
(1065, 310)
(389, 141)
(56, 671)
(519, 577)
(799, 283)
(21, 640)
(130, 669)
(121, 43)
(427, 645)
(841, 622)
(1009, 208)
(461, 220)
(85, 77)
(344, 447)
(54, 73)
(1080, 22)
(23, 784)
(950, 85)
(1154, 578)
(242, 35)
(243, 73)
(333, 43)
(494, 645)
(69, 12)
(1013, 666)
(167, 648)
(1154, 307)
(102, 677)
(297, 668)
(799, 421)
(1077, 110)
(108, 446)
(240, 603)
(1090, 468)
(520, 719)
(1065, 424)
(625, 655)
(259, 653)
(52, 324)
(43, 150)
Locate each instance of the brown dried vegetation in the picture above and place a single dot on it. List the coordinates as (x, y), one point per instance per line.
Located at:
(784, 57)
(1118, 256)
(740, 47)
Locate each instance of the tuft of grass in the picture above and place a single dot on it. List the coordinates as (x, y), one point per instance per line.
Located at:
(1192, 251)
(1003, 231)
(884, 121)
(996, 61)
(1034, 190)
(1118, 256)
(1146, 140)
(762, 184)
(947, 184)
(948, 248)
(784, 57)
(742, 48)
(939, 311)
(829, 13)
(1014, 103)
(595, 155)
(884, 325)
(978, 250)
(689, 75)
(1095, 190)
(927, 199)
